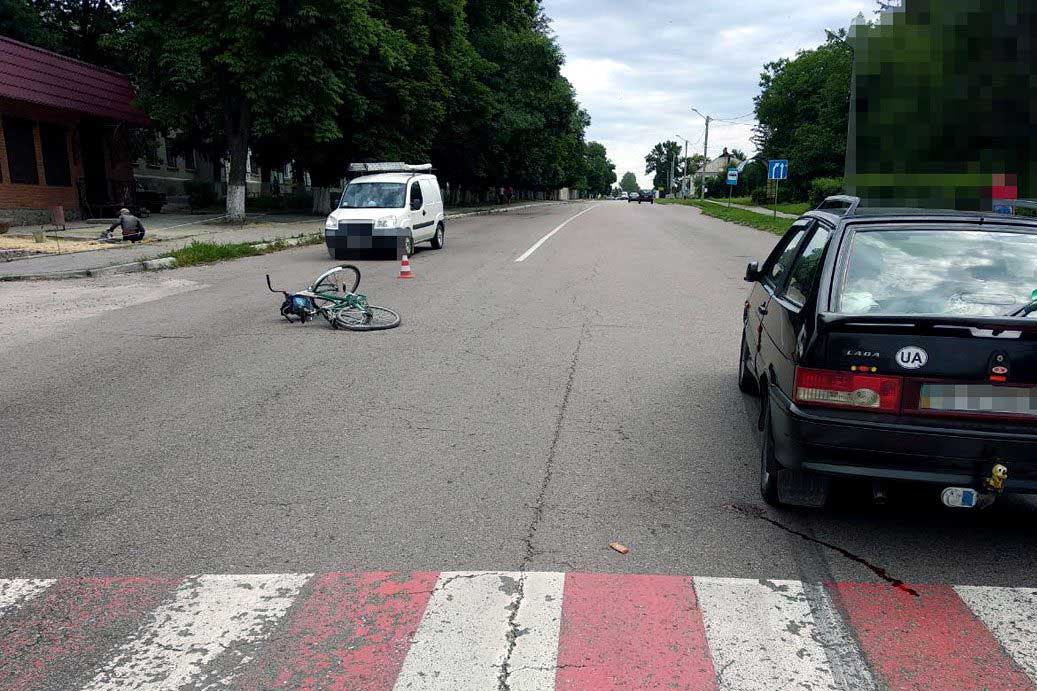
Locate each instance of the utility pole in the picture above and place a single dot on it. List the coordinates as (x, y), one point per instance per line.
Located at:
(705, 154)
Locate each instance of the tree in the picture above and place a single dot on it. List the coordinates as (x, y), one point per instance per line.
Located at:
(803, 110)
(20, 20)
(601, 172)
(662, 160)
(252, 67)
(629, 182)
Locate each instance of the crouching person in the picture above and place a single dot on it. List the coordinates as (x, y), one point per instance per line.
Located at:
(132, 228)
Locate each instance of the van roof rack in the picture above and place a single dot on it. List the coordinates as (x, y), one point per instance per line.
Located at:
(389, 167)
(840, 203)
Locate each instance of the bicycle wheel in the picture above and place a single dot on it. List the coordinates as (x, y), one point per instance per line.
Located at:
(340, 281)
(374, 319)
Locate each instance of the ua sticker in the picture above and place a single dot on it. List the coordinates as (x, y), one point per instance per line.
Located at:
(912, 357)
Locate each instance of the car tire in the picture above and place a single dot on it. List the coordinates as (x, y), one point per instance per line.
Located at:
(439, 239)
(746, 381)
(408, 245)
(769, 466)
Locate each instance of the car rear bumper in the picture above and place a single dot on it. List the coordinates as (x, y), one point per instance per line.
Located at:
(811, 440)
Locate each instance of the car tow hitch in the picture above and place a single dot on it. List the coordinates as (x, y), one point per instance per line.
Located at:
(969, 498)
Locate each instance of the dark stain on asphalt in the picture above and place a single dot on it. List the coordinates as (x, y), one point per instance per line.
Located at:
(757, 512)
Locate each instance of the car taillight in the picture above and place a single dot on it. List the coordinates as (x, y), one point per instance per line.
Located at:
(848, 390)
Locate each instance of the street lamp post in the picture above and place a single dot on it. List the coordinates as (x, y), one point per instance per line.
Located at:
(685, 162)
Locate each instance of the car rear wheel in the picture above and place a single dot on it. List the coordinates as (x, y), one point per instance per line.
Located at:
(439, 238)
(746, 381)
(769, 466)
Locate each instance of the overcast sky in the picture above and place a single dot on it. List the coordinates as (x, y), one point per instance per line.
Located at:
(639, 66)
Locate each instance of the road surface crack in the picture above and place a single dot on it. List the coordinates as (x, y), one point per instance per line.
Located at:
(503, 678)
(757, 513)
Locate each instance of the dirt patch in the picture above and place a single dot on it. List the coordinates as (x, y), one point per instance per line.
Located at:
(49, 245)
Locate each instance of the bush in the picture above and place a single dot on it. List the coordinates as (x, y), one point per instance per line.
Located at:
(760, 197)
(200, 195)
(822, 188)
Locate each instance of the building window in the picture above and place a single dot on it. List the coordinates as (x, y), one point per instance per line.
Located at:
(54, 142)
(170, 158)
(189, 160)
(21, 151)
(151, 156)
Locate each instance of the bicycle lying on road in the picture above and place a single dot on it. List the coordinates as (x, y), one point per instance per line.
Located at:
(333, 296)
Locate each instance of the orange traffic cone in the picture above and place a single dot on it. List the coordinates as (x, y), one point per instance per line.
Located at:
(405, 271)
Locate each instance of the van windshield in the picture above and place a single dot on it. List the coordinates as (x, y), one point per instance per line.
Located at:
(373, 195)
(954, 272)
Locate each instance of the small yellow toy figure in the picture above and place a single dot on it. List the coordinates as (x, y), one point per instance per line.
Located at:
(996, 481)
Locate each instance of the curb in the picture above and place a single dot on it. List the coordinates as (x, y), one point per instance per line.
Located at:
(130, 268)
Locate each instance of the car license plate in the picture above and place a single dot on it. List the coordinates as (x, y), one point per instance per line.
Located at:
(978, 398)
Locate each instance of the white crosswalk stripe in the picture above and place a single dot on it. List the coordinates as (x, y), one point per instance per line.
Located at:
(207, 617)
(763, 635)
(1011, 615)
(16, 591)
(475, 621)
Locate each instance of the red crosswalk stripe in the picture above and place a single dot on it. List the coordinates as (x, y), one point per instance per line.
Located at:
(932, 641)
(632, 632)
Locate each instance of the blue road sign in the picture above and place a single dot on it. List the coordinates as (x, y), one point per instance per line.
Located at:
(732, 176)
(1003, 209)
(778, 169)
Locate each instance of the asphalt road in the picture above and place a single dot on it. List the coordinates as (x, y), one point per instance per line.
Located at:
(525, 415)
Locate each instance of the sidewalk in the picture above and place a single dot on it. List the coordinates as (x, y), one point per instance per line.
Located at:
(167, 232)
(754, 209)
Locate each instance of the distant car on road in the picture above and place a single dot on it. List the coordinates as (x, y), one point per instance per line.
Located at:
(397, 206)
(647, 196)
(894, 345)
(634, 197)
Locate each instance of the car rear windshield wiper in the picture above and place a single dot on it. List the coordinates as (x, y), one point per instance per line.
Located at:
(1024, 311)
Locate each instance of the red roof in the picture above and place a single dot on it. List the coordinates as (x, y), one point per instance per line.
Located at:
(39, 76)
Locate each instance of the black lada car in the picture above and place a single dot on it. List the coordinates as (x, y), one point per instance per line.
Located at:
(893, 345)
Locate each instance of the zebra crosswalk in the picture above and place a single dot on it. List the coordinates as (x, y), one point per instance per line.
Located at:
(511, 630)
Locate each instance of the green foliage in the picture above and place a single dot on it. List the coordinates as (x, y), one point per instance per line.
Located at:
(821, 188)
(803, 112)
(600, 171)
(950, 103)
(79, 29)
(211, 252)
(629, 182)
(660, 160)
(778, 226)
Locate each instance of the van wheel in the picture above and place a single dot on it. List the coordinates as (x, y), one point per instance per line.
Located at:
(408, 245)
(746, 382)
(439, 238)
(769, 466)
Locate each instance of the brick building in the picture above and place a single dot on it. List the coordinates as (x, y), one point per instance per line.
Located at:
(63, 135)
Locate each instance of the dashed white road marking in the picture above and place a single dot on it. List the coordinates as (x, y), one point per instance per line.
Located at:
(547, 237)
(470, 623)
(1011, 615)
(208, 616)
(763, 635)
(16, 591)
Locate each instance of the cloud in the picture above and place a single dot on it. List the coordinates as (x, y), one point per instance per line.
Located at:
(639, 66)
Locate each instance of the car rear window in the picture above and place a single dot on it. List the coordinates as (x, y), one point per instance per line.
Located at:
(959, 272)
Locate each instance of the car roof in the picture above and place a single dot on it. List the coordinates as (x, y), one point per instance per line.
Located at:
(392, 177)
(873, 215)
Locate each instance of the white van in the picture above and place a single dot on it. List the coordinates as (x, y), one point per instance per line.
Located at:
(392, 209)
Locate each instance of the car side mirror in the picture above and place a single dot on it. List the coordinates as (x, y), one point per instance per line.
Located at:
(752, 272)
(415, 204)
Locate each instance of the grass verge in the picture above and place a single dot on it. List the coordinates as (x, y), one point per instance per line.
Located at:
(211, 252)
(778, 226)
